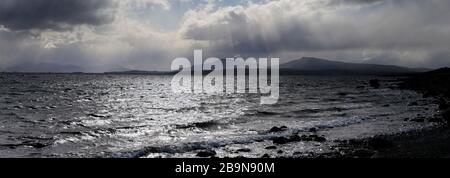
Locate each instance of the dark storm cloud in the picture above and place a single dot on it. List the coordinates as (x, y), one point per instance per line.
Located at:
(53, 14)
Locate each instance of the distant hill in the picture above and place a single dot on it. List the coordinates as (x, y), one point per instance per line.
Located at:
(319, 66)
(306, 65)
(310, 65)
(140, 72)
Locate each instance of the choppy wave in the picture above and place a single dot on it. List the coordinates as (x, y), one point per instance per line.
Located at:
(133, 116)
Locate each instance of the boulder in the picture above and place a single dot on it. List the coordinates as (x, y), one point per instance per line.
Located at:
(206, 153)
(278, 129)
(281, 140)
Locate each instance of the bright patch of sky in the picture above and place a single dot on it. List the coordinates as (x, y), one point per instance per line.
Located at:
(170, 18)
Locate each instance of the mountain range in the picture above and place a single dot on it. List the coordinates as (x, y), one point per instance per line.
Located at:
(305, 65)
(319, 66)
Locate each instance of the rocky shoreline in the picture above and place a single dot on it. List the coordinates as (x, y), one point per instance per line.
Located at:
(432, 142)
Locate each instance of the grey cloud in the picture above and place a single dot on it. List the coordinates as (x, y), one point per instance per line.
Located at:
(403, 32)
(363, 1)
(397, 27)
(53, 14)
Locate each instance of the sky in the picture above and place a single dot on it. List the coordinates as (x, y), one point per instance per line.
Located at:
(110, 35)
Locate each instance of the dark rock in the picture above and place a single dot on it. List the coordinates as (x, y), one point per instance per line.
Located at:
(387, 105)
(380, 143)
(296, 138)
(313, 129)
(271, 148)
(306, 138)
(265, 156)
(206, 153)
(280, 151)
(244, 150)
(415, 103)
(281, 140)
(375, 83)
(278, 129)
(259, 140)
(284, 140)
